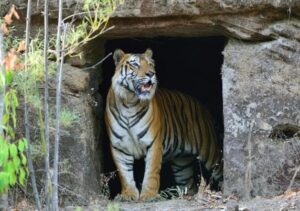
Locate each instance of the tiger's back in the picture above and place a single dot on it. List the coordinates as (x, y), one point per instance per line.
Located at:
(187, 127)
(188, 132)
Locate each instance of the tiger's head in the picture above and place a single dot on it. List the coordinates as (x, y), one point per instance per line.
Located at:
(134, 75)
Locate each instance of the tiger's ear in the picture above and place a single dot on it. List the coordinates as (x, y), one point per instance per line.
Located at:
(118, 55)
(149, 53)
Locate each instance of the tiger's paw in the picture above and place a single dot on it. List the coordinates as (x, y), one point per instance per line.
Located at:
(128, 195)
(124, 198)
(150, 197)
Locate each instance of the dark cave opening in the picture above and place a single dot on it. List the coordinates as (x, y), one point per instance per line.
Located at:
(189, 65)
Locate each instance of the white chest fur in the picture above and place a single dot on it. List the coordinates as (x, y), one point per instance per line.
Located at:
(132, 128)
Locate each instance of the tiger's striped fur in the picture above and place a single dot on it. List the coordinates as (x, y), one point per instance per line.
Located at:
(158, 125)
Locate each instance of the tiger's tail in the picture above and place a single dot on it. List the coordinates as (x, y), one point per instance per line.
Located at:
(213, 160)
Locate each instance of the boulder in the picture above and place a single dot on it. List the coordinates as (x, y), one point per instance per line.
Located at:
(261, 87)
(80, 152)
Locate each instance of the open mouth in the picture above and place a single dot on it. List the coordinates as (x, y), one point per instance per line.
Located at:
(144, 90)
(146, 87)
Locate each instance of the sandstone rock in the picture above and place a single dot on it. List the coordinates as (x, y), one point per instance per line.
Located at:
(80, 152)
(240, 19)
(75, 79)
(266, 74)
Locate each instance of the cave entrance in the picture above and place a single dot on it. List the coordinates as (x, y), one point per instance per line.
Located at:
(190, 65)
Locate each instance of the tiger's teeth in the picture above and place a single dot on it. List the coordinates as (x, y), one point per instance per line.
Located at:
(146, 88)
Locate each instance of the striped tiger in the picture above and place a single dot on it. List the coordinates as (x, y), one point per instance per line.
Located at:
(159, 125)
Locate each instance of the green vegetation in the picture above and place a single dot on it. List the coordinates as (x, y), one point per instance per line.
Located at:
(113, 206)
(25, 82)
(68, 117)
(13, 162)
(93, 24)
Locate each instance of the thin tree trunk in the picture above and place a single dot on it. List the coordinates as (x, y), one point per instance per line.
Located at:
(59, 59)
(3, 197)
(26, 118)
(2, 95)
(46, 107)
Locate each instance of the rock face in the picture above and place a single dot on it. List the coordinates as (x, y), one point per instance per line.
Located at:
(79, 146)
(261, 82)
(239, 19)
(80, 152)
(242, 19)
(261, 87)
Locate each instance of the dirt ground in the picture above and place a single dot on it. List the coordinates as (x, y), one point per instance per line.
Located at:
(208, 201)
(212, 202)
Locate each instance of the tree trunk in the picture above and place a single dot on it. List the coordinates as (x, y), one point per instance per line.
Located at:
(3, 197)
(26, 118)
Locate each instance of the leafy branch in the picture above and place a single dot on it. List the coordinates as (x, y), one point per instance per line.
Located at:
(93, 24)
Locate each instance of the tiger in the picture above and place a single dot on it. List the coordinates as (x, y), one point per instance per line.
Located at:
(158, 125)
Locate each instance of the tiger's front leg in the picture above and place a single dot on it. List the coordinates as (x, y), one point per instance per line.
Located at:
(124, 164)
(151, 180)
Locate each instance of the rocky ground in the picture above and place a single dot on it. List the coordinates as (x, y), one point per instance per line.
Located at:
(285, 202)
(208, 201)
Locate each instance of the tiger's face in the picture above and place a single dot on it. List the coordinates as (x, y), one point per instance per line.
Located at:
(135, 75)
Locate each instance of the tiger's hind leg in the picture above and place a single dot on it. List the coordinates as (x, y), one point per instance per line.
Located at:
(183, 169)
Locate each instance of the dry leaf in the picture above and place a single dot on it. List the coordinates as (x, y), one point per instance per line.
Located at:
(21, 47)
(14, 11)
(11, 60)
(4, 28)
(8, 18)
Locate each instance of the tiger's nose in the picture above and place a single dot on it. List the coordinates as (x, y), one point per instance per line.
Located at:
(150, 74)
